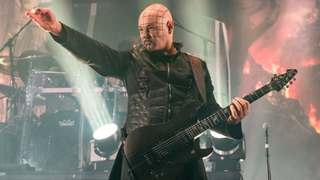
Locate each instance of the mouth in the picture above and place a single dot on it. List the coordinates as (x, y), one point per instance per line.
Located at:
(147, 42)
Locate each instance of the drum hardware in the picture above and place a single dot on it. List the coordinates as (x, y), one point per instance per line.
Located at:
(55, 146)
(35, 60)
(41, 89)
(115, 101)
(5, 66)
(60, 100)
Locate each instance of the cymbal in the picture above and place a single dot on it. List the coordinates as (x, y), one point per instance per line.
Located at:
(6, 90)
(5, 66)
(37, 60)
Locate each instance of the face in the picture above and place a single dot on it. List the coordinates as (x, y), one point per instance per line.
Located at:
(153, 28)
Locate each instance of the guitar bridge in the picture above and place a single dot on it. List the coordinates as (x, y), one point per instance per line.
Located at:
(148, 158)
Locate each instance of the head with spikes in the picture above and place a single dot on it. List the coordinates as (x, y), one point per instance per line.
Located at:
(156, 29)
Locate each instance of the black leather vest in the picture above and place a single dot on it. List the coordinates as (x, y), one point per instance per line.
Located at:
(157, 88)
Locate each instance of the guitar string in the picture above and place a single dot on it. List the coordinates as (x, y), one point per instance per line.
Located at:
(185, 133)
(195, 129)
(160, 147)
(175, 145)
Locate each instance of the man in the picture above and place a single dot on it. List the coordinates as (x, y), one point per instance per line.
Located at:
(159, 79)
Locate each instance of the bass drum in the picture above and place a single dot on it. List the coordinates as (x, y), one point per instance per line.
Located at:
(55, 143)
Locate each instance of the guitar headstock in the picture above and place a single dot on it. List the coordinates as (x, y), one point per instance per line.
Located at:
(279, 81)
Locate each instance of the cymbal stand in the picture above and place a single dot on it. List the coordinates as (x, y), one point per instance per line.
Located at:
(105, 91)
(9, 44)
(27, 114)
(12, 99)
(115, 100)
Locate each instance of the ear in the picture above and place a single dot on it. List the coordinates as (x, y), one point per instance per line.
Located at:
(170, 25)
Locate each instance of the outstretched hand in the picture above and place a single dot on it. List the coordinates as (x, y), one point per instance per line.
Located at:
(45, 19)
(239, 110)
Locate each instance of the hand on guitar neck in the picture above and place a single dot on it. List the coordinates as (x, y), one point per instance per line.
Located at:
(239, 110)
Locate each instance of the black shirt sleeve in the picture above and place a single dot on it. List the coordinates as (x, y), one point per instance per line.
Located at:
(233, 131)
(103, 59)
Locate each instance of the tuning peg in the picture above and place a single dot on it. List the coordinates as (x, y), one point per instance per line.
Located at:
(294, 79)
(287, 86)
(291, 82)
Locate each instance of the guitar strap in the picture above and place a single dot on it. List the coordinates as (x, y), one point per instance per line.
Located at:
(198, 73)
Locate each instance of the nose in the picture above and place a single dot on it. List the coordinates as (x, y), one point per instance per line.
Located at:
(145, 34)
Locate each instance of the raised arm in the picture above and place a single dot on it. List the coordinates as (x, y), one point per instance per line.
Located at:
(103, 59)
(46, 20)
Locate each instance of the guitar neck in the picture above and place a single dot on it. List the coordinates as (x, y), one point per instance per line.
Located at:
(223, 114)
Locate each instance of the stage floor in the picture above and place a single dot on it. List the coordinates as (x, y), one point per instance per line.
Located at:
(86, 175)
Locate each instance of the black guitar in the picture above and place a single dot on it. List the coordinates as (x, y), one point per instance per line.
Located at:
(159, 152)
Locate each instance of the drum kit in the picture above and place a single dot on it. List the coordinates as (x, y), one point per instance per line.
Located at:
(50, 141)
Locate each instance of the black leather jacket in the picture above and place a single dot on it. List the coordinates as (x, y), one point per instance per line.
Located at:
(157, 87)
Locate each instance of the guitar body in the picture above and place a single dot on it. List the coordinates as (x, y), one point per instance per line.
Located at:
(159, 152)
(156, 152)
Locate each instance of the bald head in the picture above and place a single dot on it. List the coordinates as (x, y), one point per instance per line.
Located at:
(155, 13)
(156, 27)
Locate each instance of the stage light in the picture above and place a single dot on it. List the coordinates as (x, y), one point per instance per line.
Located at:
(216, 135)
(227, 149)
(105, 131)
(106, 140)
(226, 157)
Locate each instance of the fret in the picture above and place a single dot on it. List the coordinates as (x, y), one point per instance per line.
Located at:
(262, 92)
(214, 120)
(227, 109)
(196, 129)
(205, 124)
(186, 130)
(203, 127)
(220, 117)
(256, 95)
(191, 132)
(199, 128)
(224, 115)
(250, 98)
(259, 93)
(211, 125)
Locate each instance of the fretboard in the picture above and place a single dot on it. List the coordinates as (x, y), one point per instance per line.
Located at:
(223, 114)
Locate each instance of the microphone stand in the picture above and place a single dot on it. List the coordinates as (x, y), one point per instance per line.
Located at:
(205, 40)
(267, 156)
(9, 44)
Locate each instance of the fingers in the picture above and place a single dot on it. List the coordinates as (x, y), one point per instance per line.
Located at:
(245, 106)
(35, 12)
(239, 110)
(43, 10)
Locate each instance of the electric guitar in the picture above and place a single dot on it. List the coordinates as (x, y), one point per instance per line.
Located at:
(159, 152)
